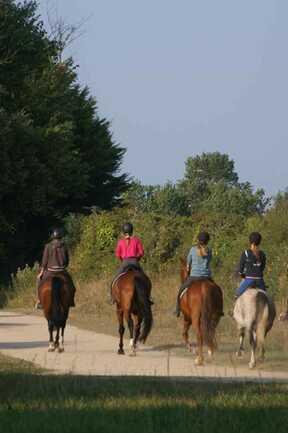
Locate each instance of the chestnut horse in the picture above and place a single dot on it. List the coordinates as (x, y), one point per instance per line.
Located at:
(55, 297)
(202, 306)
(131, 292)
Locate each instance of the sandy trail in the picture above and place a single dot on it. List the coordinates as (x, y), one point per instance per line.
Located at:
(88, 353)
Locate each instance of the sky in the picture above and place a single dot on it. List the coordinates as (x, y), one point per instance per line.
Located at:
(178, 78)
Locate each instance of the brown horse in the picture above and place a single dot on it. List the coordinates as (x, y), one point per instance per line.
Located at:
(131, 292)
(55, 297)
(202, 306)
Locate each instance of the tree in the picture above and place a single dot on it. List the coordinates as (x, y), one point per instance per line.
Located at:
(164, 200)
(57, 155)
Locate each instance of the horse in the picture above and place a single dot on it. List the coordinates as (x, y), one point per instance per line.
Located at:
(254, 312)
(202, 306)
(55, 297)
(131, 293)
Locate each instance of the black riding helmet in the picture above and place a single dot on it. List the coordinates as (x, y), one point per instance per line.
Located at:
(255, 238)
(203, 238)
(57, 233)
(127, 228)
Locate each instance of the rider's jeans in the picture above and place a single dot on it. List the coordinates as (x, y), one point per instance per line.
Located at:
(248, 282)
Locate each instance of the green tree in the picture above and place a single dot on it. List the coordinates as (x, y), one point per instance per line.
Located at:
(57, 155)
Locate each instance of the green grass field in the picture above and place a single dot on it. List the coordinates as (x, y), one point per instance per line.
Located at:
(35, 401)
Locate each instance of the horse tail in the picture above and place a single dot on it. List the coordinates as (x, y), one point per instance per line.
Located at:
(265, 315)
(142, 301)
(57, 312)
(211, 311)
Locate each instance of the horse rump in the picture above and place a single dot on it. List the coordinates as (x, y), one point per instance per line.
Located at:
(265, 314)
(142, 302)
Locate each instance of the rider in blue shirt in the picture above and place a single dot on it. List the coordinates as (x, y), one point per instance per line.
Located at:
(198, 265)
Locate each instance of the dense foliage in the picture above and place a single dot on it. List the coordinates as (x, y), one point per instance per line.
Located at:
(210, 184)
(56, 154)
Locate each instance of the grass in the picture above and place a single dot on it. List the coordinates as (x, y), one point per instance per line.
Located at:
(94, 313)
(33, 402)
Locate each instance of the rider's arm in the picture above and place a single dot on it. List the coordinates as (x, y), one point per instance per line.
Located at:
(66, 257)
(118, 250)
(263, 261)
(242, 264)
(44, 263)
(140, 249)
(189, 261)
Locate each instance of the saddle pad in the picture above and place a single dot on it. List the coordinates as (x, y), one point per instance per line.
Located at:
(117, 278)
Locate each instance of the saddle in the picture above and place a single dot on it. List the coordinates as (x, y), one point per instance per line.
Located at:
(125, 270)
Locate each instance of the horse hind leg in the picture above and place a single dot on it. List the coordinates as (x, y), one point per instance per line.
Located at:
(130, 327)
(240, 351)
(51, 347)
(136, 332)
(185, 334)
(121, 333)
(61, 344)
(252, 362)
(199, 360)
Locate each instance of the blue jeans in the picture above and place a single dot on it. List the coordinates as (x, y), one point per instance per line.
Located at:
(249, 282)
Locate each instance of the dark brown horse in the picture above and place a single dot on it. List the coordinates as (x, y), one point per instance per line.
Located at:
(131, 292)
(202, 306)
(55, 297)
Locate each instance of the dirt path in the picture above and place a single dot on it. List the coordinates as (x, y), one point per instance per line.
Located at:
(87, 353)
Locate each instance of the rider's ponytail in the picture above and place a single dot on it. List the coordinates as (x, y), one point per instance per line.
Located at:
(202, 241)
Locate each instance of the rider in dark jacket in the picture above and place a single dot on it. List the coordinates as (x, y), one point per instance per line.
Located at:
(55, 260)
(252, 266)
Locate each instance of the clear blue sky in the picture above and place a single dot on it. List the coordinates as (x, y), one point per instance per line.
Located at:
(178, 78)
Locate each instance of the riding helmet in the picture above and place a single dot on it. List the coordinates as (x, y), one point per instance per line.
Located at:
(255, 238)
(127, 228)
(203, 237)
(57, 233)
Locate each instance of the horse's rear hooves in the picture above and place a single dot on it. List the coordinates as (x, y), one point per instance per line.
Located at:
(252, 365)
(51, 349)
(121, 352)
(60, 349)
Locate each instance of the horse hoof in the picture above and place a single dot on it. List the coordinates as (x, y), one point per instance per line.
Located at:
(121, 352)
(133, 353)
(131, 342)
(210, 353)
(60, 349)
(252, 365)
(198, 362)
(51, 349)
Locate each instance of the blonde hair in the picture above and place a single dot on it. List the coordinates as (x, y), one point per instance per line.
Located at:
(202, 249)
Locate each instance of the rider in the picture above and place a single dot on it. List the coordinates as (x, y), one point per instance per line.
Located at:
(129, 250)
(252, 265)
(55, 260)
(198, 264)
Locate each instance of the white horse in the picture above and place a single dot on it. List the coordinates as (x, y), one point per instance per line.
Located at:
(254, 312)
